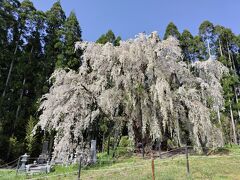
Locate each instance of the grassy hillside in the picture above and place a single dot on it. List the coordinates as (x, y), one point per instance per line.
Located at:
(217, 166)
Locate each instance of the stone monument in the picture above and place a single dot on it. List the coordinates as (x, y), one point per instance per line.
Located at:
(93, 152)
(43, 157)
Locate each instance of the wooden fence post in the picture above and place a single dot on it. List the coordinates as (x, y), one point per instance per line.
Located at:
(153, 169)
(79, 168)
(188, 169)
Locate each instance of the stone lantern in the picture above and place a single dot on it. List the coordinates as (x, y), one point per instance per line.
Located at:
(23, 162)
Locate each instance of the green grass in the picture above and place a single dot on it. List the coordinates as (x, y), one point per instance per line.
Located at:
(225, 164)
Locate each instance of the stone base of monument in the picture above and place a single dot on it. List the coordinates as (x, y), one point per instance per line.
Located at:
(38, 168)
(40, 165)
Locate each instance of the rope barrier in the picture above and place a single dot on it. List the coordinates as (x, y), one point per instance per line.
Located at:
(136, 165)
(4, 165)
(92, 170)
(182, 151)
(131, 165)
(173, 153)
(125, 168)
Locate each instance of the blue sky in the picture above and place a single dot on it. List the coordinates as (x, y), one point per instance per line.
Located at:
(129, 17)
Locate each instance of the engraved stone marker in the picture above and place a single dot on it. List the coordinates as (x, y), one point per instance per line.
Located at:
(44, 155)
(93, 151)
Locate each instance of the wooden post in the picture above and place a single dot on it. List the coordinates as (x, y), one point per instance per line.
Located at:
(79, 168)
(186, 151)
(153, 169)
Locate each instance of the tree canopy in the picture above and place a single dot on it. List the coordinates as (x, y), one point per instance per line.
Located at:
(109, 37)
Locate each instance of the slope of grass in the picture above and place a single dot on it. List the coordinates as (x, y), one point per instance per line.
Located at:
(216, 167)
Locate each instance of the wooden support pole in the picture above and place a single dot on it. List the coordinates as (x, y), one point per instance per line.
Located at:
(153, 168)
(188, 169)
(79, 168)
